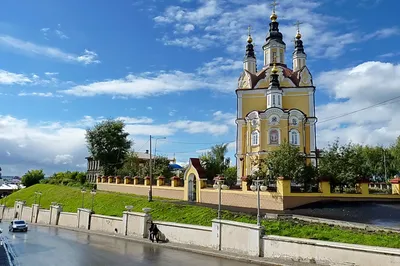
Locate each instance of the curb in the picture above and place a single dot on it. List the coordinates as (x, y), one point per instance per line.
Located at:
(199, 250)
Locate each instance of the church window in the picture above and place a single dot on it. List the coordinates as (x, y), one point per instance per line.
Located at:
(279, 100)
(255, 137)
(281, 57)
(273, 100)
(274, 136)
(294, 137)
(273, 57)
(274, 119)
(294, 122)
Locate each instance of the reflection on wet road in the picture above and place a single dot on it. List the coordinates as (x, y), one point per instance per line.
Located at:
(52, 246)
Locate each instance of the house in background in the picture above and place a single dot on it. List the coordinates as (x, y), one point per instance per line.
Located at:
(94, 168)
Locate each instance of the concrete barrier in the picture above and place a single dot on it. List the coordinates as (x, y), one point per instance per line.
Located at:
(35, 212)
(55, 214)
(239, 238)
(84, 218)
(109, 224)
(43, 216)
(8, 213)
(186, 233)
(26, 213)
(68, 219)
(136, 224)
(328, 253)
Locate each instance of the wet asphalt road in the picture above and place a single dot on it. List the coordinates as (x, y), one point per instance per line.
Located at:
(42, 246)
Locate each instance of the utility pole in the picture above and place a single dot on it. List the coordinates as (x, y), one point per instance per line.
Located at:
(151, 176)
(384, 164)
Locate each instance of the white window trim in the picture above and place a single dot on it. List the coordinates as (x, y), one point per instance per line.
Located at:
(255, 135)
(269, 136)
(297, 121)
(297, 137)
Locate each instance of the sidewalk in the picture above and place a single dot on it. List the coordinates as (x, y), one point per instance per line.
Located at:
(194, 249)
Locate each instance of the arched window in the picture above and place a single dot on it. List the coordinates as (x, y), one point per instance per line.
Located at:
(294, 137)
(273, 136)
(255, 138)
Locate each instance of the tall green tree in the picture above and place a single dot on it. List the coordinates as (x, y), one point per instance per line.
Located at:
(214, 161)
(286, 161)
(32, 177)
(344, 165)
(108, 142)
(395, 153)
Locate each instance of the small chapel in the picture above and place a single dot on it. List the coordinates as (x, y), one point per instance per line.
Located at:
(275, 104)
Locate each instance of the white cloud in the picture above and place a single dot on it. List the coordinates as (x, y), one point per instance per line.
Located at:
(51, 73)
(134, 120)
(40, 94)
(224, 23)
(87, 57)
(355, 88)
(149, 108)
(9, 78)
(56, 146)
(61, 34)
(219, 74)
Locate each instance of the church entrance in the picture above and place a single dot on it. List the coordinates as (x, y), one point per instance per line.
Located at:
(192, 187)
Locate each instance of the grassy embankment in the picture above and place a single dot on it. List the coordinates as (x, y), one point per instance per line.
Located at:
(113, 204)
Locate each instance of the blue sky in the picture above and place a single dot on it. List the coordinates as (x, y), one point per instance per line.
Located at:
(169, 68)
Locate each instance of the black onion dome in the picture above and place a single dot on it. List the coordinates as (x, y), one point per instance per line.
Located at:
(274, 33)
(250, 51)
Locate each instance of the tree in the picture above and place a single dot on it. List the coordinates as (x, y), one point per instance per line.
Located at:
(108, 143)
(394, 151)
(214, 161)
(230, 175)
(344, 165)
(32, 177)
(131, 166)
(286, 161)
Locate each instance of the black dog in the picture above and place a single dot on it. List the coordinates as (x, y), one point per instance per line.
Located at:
(154, 232)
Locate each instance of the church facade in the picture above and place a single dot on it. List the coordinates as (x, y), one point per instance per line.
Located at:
(275, 104)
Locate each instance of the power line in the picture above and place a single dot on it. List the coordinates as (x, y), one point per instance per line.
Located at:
(199, 143)
(143, 145)
(362, 109)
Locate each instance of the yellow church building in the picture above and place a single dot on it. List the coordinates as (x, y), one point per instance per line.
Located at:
(275, 104)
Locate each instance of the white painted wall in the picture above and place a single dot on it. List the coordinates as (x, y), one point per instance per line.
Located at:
(186, 233)
(328, 253)
(239, 238)
(84, 218)
(26, 214)
(107, 224)
(43, 216)
(68, 219)
(136, 224)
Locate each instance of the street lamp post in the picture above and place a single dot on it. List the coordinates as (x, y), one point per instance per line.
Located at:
(83, 191)
(38, 193)
(257, 186)
(150, 197)
(93, 192)
(219, 184)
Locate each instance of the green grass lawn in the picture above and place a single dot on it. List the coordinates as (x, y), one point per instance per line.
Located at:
(113, 204)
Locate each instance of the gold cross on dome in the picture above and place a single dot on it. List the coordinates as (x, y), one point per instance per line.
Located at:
(274, 4)
(298, 23)
(249, 29)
